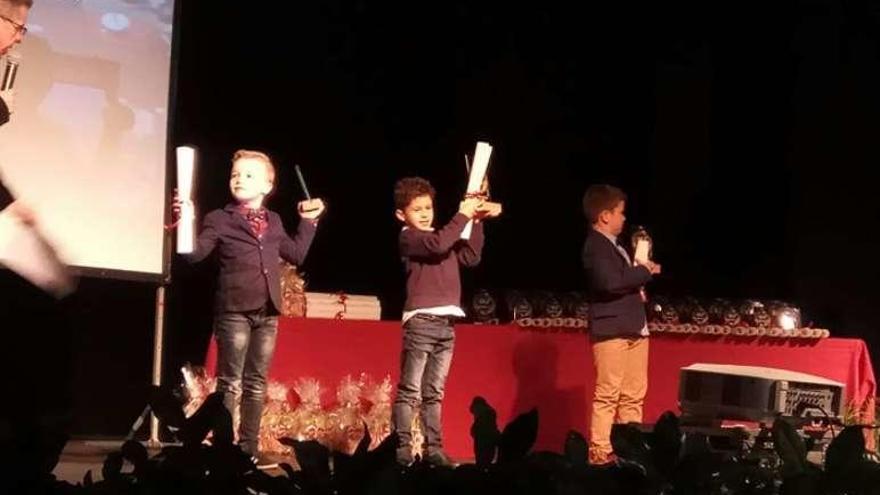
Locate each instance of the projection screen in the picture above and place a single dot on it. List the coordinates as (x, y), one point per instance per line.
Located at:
(86, 145)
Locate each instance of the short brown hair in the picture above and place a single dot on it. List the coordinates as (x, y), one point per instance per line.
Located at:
(257, 155)
(410, 188)
(18, 3)
(599, 198)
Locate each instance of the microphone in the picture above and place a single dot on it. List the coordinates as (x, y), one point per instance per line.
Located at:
(9, 73)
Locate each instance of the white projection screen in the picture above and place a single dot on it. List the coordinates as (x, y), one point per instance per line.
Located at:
(86, 145)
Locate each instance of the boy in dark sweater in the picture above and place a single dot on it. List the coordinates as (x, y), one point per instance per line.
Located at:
(249, 240)
(433, 297)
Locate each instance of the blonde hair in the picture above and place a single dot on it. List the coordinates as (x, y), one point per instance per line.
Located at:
(257, 155)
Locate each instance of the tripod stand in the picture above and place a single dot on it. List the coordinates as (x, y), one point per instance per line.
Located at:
(158, 337)
(158, 342)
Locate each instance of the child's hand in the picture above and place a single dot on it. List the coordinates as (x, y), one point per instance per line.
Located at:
(311, 209)
(177, 204)
(652, 267)
(488, 209)
(469, 206)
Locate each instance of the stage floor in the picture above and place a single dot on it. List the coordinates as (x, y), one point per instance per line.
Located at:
(80, 456)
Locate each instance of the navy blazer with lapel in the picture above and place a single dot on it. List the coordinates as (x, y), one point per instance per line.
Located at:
(5, 196)
(4, 112)
(616, 306)
(249, 266)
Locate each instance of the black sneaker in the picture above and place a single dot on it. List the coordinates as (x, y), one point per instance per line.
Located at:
(404, 457)
(263, 462)
(438, 458)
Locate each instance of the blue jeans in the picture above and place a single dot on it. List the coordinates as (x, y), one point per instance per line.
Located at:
(425, 359)
(245, 345)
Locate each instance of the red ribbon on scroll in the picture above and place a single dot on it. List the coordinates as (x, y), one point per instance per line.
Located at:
(342, 300)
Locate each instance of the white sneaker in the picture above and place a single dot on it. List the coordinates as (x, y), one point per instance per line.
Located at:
(262, 462)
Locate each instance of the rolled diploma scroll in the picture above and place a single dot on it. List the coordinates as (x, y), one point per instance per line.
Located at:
(186, 157)
(475, 181)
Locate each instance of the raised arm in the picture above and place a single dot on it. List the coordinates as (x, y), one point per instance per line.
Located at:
(420, 244)
(469, 251)
(295, 250)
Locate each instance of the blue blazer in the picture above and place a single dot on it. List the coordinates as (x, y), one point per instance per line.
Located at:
(249, 266)
(4, 112)
(616, 307)
(5, 196)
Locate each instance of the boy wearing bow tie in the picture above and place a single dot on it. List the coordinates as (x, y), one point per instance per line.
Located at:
(249, 240)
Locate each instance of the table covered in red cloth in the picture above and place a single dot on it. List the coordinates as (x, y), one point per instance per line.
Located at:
(516, 369)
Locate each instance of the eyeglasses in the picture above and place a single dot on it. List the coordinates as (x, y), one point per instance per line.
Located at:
(21, 28)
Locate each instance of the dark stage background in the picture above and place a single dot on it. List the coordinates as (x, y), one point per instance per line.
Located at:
(745, 134)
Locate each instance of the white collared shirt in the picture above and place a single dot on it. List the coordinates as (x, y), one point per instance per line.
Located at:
(450, 310)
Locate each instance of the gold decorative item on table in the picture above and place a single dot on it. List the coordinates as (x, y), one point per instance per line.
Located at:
(278, 419)
(293, 291)
(297, 412)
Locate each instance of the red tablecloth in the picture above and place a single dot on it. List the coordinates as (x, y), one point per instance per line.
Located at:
(516, 369)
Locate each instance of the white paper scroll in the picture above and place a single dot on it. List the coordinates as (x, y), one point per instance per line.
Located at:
(475, 181)
(26, 252)
(186, 158)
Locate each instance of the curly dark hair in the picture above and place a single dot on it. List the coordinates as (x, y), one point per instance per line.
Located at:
(409, 188)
